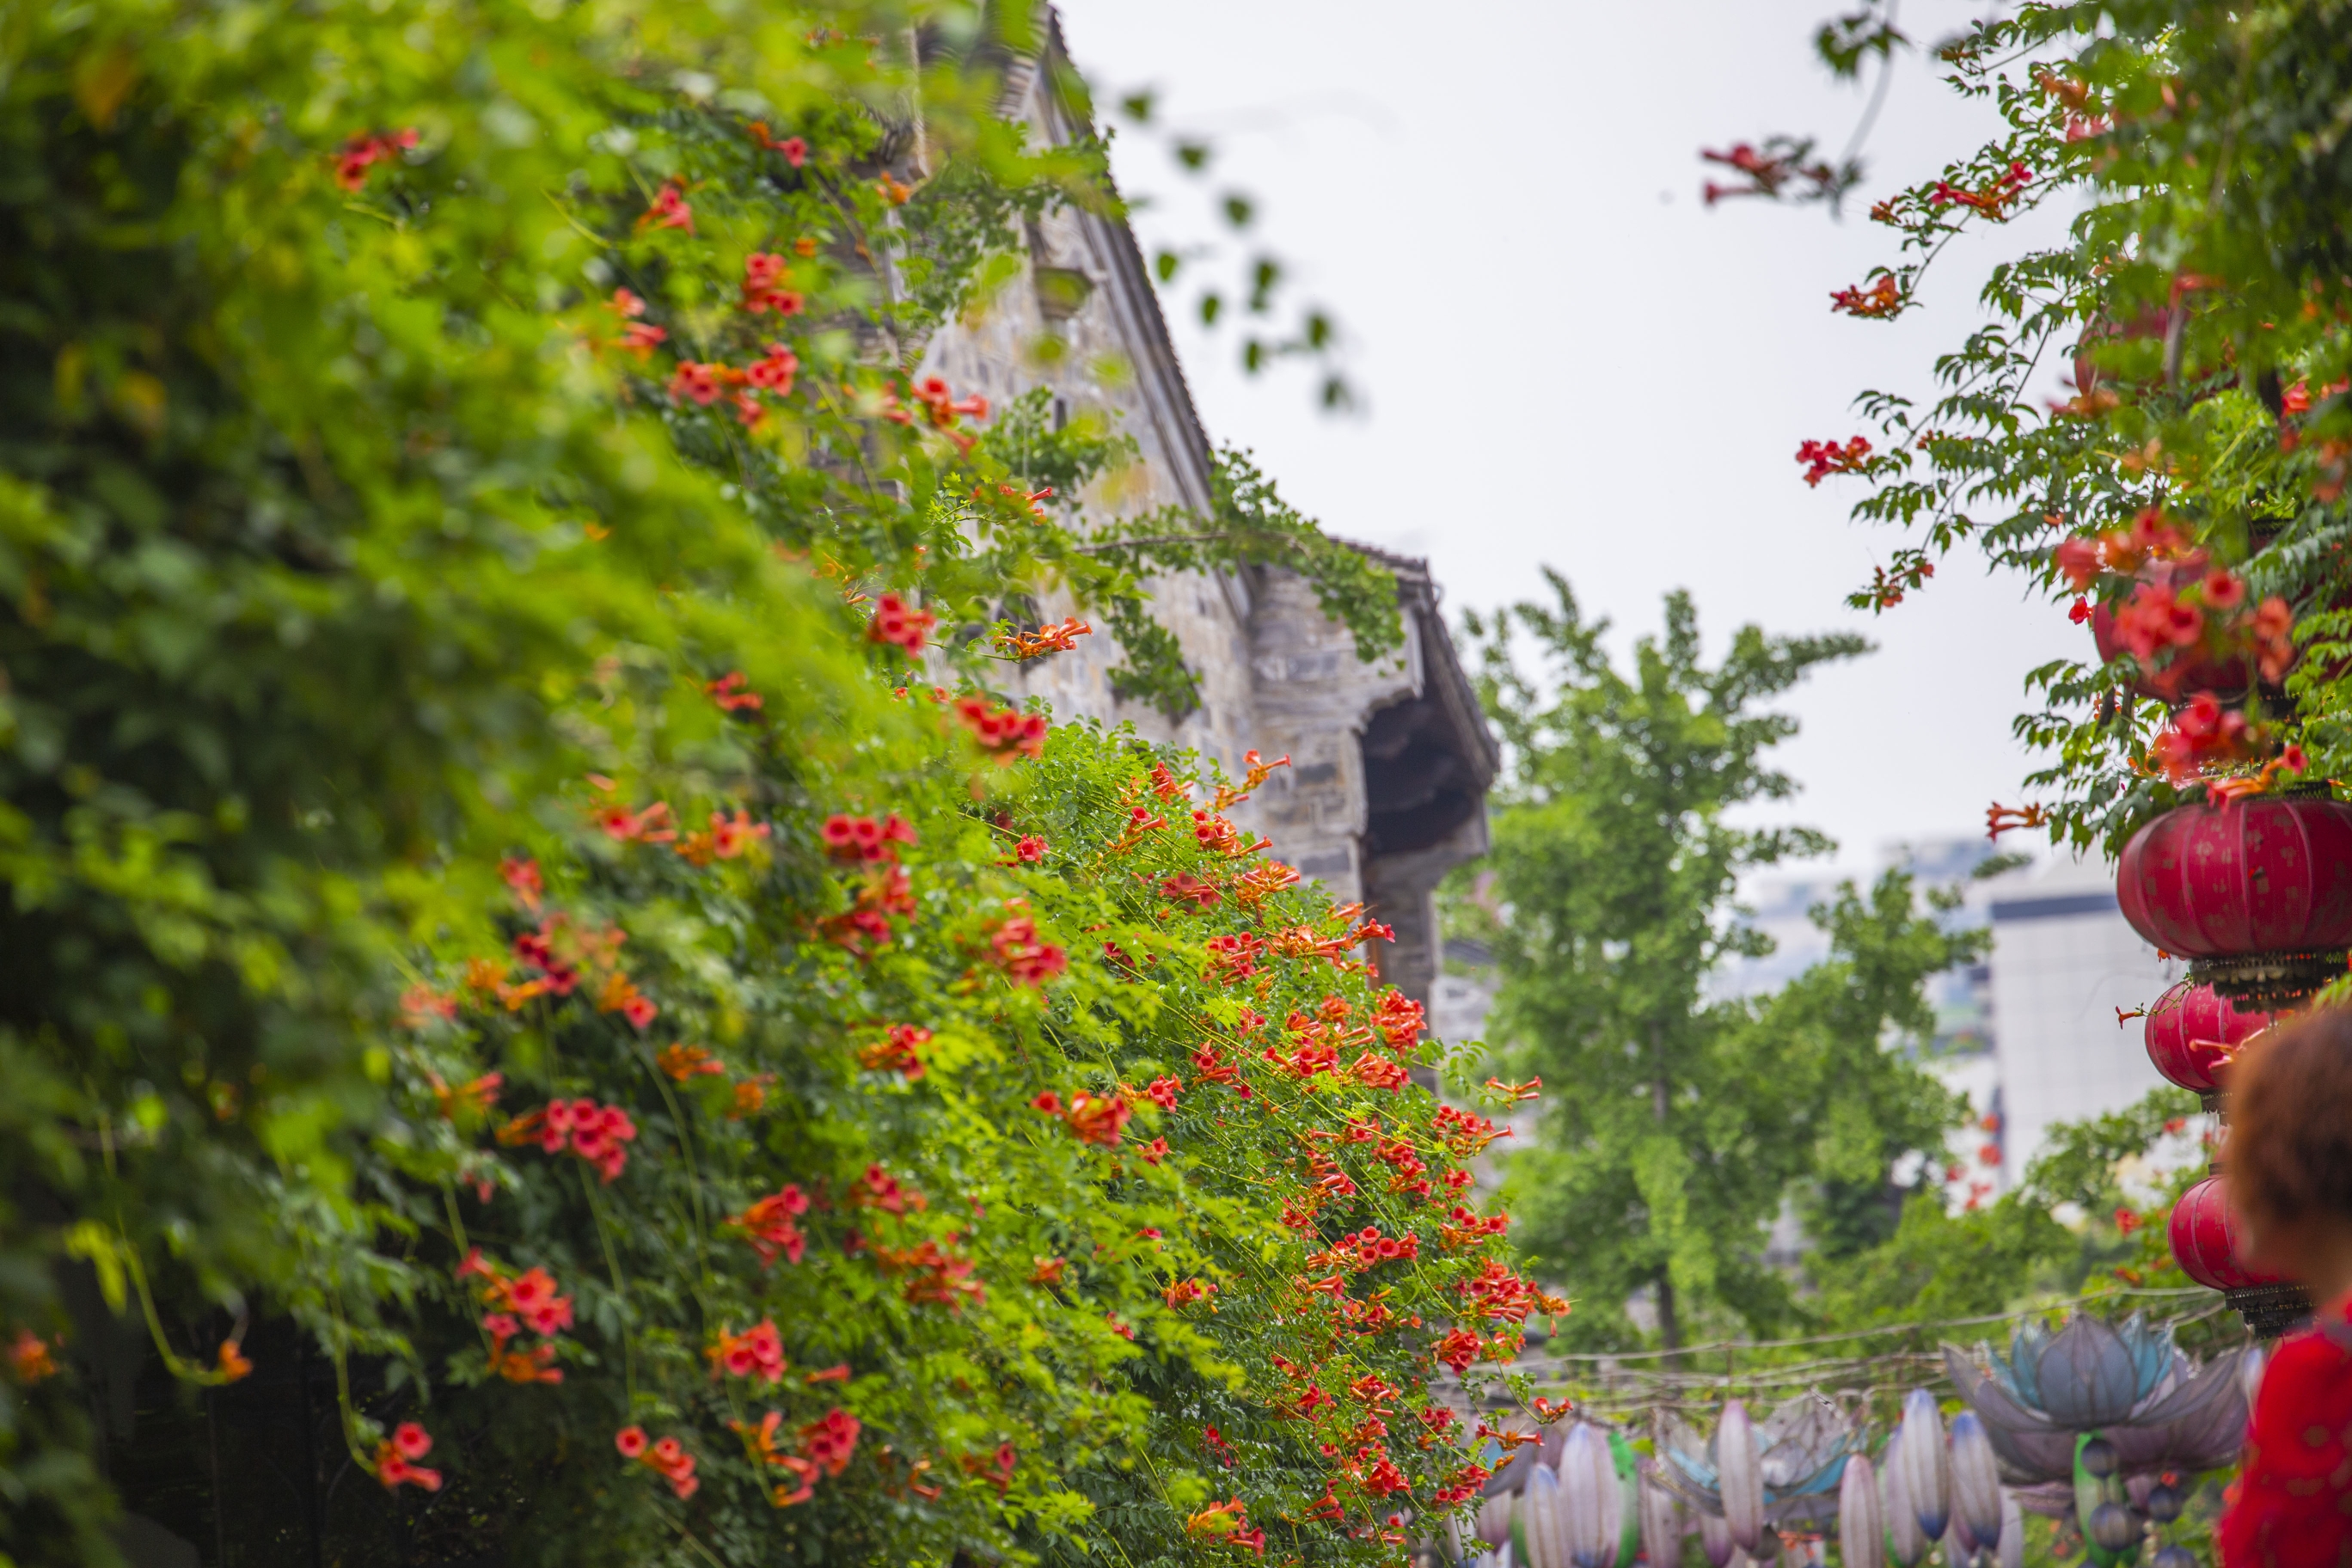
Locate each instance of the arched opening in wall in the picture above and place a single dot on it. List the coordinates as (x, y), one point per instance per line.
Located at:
(1419, 787)
(1428, 762)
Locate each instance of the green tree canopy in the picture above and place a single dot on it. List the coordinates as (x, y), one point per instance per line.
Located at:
(1679, 1121)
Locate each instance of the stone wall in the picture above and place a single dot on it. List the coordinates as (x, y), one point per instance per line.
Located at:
(1390, 759)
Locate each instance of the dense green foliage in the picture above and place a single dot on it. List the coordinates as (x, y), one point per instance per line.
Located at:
(1252, 526)
(1690, 1118)
(2002, 1256)
(2201, 293)
(474, 779)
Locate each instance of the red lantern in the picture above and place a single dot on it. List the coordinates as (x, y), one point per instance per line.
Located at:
(2258, 890)
(2192, 1031)
(2204, 1236)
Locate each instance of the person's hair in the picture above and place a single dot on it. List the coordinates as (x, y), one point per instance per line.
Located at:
(2289, 1148)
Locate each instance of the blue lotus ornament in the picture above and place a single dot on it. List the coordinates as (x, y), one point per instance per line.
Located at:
(2125, 1382)
(1803, 1446)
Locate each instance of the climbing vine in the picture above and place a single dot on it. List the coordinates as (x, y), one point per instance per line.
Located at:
(523, 871)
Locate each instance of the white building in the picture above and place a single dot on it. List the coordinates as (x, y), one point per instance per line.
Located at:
(2064, 965)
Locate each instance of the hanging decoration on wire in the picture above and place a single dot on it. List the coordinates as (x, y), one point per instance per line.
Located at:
(2101, 1422)
(1784, 1472)
(2091, 1421)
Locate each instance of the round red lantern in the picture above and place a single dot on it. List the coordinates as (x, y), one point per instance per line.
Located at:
(2258, 892)
(2204, 1236)
(2192, 1030)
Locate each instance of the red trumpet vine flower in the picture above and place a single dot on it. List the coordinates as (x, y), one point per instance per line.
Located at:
(759, 1447)
(1822, 459)
(1022, 646)
(1883, 299)
(1185, 887)
(681, 1062)
(523, 877)
(364, 151)
(831, 1441)
(667, 1458)
(732, 692)
(2001, 819)
(1993, 201)
(766, 275)
(878, 1189)
(699, 382)
(936, 1276)
(768, 1225)
(639, 338)
(793, 148)
(1004, 734)
(900, 1052)
(775, 372)
(758, 1352)
(1025, 960)
(394, 1461)
(2201, 733)
(669, 210)
(897, 623)
(862, 838)
(596, 1133)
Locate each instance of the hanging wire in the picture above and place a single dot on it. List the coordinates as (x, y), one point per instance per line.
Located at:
(1602, 1384)
(1885, 1331)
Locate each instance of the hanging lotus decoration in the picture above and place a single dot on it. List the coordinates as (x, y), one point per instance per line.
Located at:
(1502, 1497)
(1493, 1523)
(1590, 1523)
(1661, 1518)
(1538, 1516)
(1714, 1539)
(1739, 1476)
(1926, 1464)
(1785, 1471)
(1978, 1501)
(1571, 1500)
(1900, 1519)
(1963, 1545)
(1862, 1520)
(2073, 1416)
(1984, 1527)
(1722, 1477)
(1905, 1544)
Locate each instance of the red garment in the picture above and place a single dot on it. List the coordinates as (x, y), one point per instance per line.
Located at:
(2291, 1506)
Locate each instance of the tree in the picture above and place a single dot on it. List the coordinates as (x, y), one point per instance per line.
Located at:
(2112, 1177)
(1679, 1123)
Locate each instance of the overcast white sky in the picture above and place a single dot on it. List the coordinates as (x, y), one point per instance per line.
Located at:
(1568, 361)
